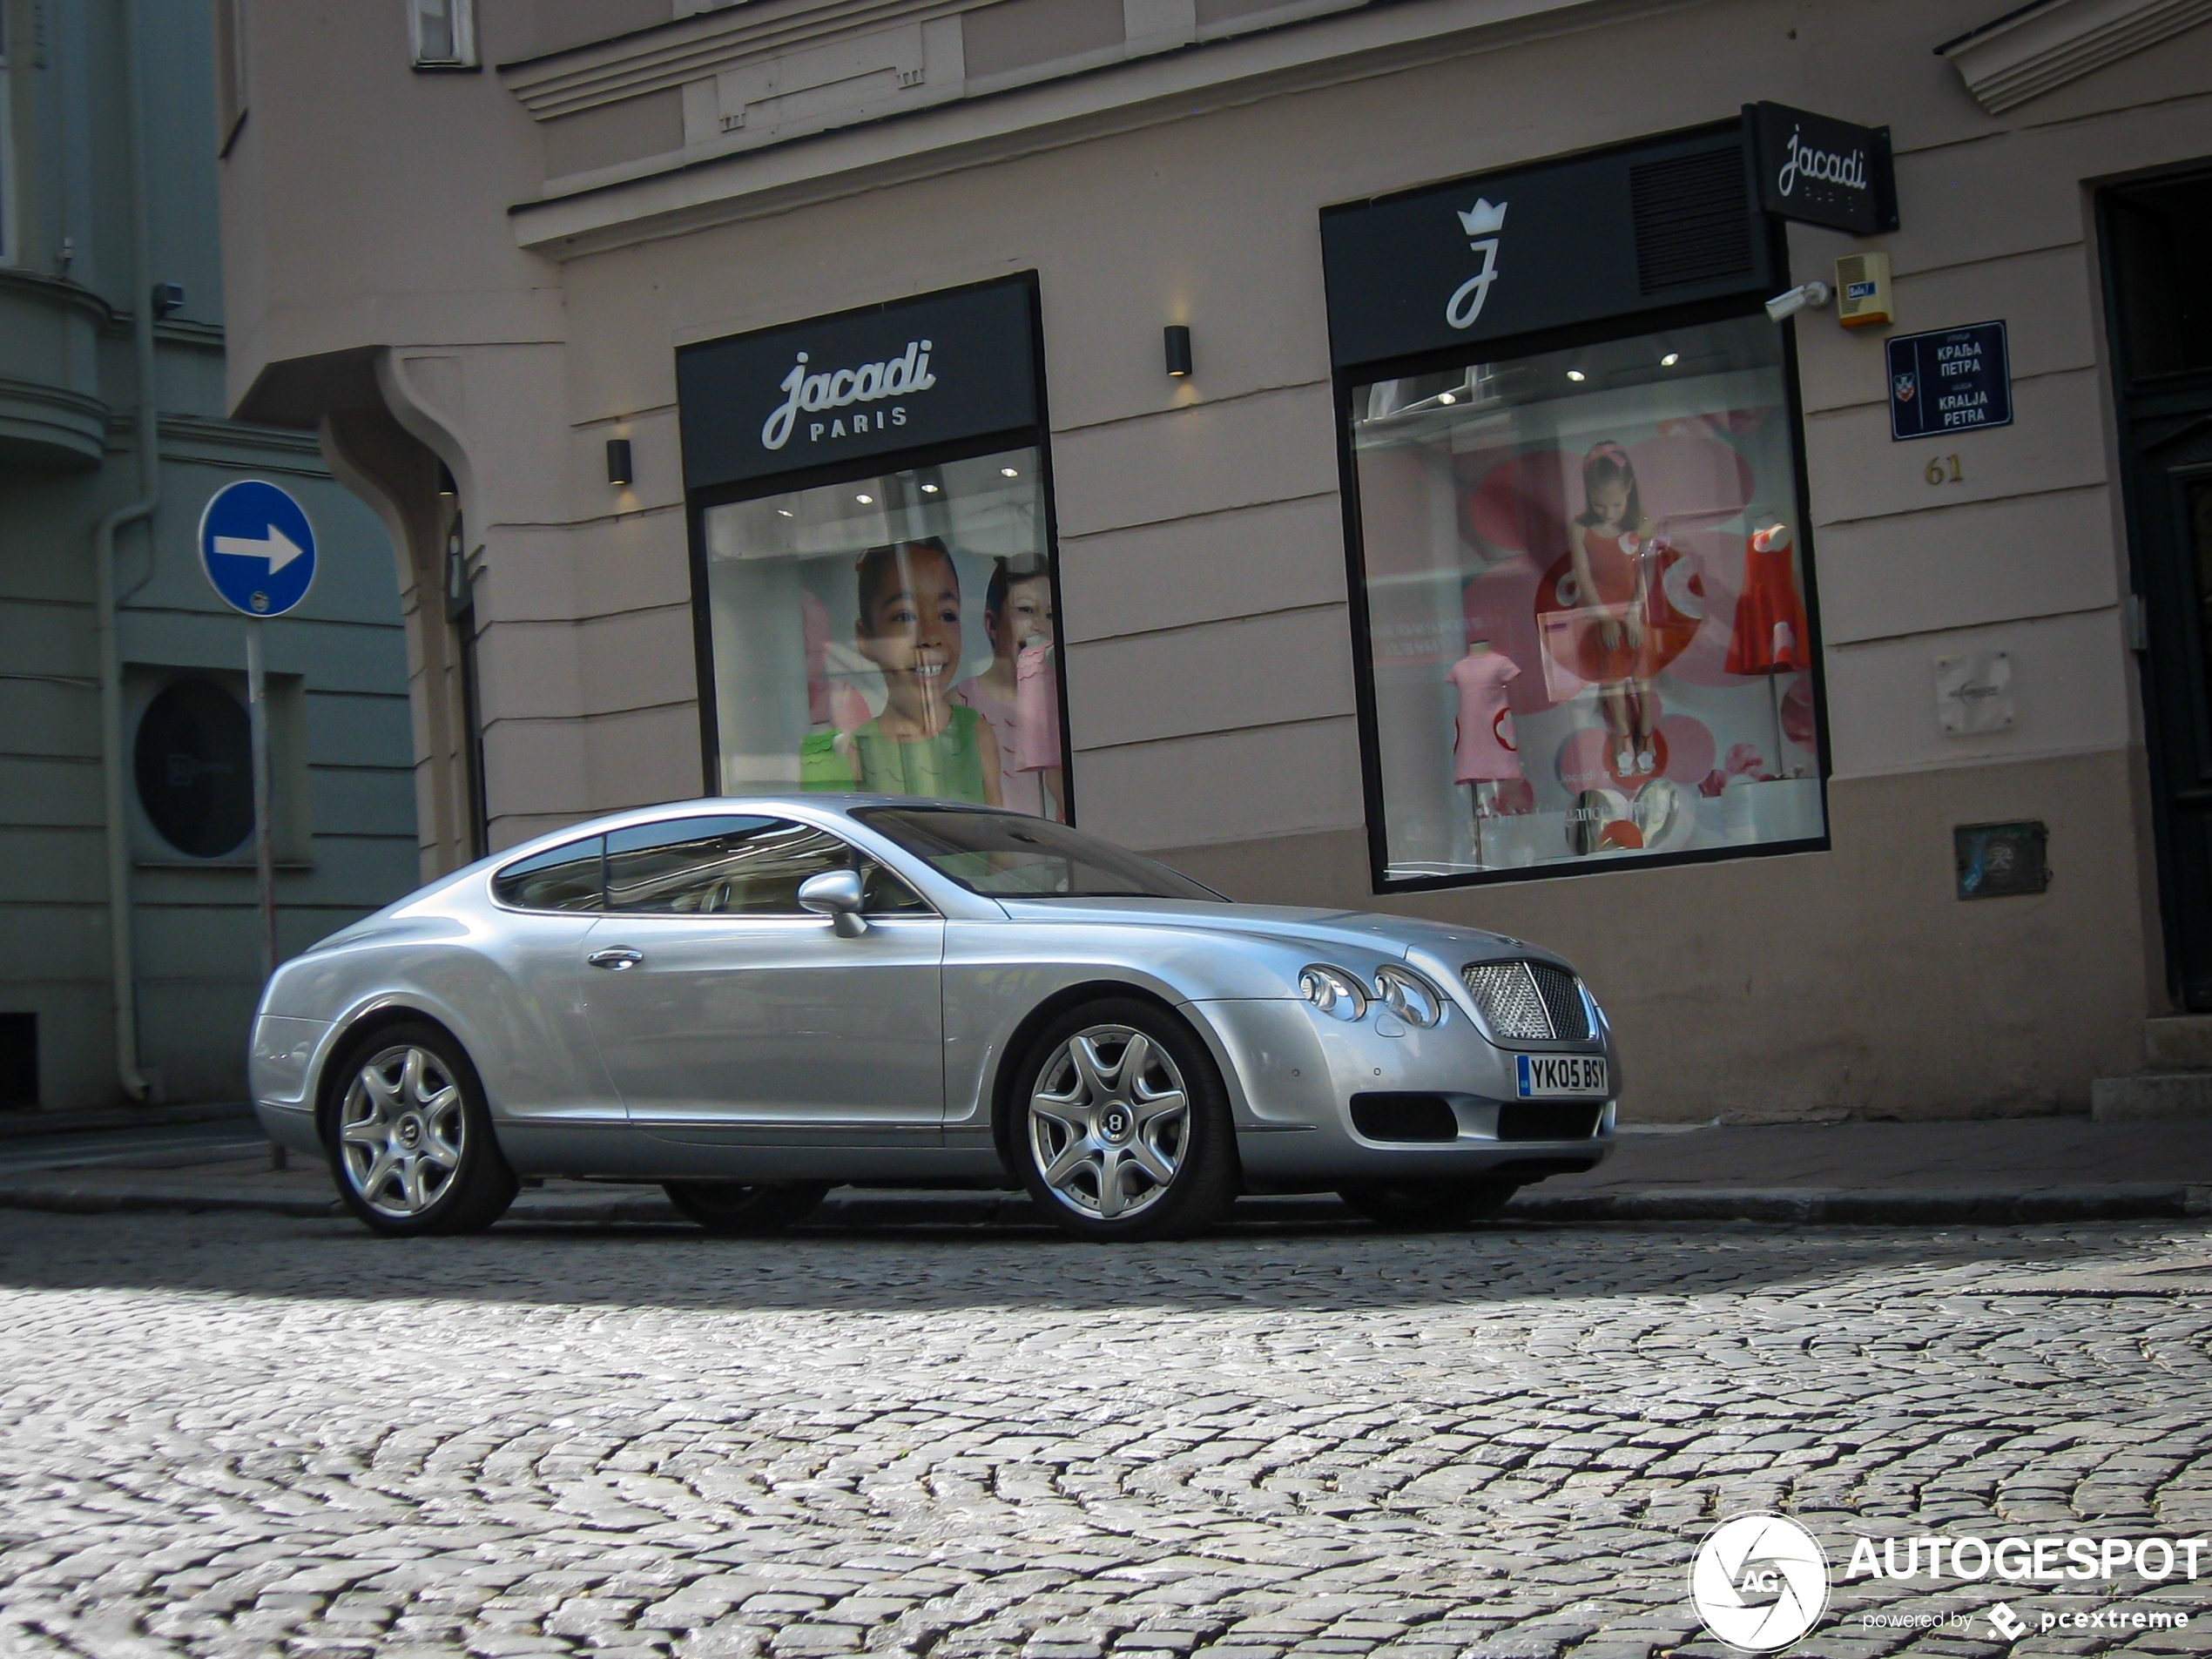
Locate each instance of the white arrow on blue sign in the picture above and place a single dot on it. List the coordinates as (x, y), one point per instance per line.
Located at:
(257, 547)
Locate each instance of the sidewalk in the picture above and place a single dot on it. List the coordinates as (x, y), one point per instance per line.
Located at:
(1988, 1171)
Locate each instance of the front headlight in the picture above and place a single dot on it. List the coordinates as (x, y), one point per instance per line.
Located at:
(1406, 994)
(1336, 993)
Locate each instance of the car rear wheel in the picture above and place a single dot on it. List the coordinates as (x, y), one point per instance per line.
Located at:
(1427, 1206)
(410, 1139)
(1123, 1128)
(732, 1210)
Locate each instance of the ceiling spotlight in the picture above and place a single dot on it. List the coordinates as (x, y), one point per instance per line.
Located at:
(865, 500)
(785, 512)
(929, 489)
(1008, 472)
(1447, 397)
(1576, 375)
(1670, 360)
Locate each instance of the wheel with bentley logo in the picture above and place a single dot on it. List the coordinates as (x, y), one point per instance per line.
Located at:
(1123, 1130)
(409, 1138)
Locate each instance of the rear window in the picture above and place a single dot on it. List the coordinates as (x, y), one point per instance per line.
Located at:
(565, 878)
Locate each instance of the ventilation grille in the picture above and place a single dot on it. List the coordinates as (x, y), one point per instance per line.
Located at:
(1693, 217)
(1404, 1118)
(1546, 1120)
(1529, 1001)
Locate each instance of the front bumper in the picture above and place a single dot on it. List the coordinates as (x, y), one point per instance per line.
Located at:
(1300, 1070)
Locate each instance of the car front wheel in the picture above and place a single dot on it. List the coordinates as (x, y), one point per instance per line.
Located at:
(410, 1139)
(1123, 1130)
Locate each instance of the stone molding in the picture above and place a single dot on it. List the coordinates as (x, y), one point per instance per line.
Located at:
(2040, 48)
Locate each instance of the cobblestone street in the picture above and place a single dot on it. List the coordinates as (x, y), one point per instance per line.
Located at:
(244, 1435)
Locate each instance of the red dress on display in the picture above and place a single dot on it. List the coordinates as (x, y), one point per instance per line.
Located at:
(1770, 632)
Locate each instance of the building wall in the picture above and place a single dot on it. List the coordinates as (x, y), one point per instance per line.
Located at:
(338, 659)
(1210, 664)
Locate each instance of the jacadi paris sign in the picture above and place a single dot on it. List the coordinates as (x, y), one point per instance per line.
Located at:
(1820, 170)
(907, 376)
(1762, 1582)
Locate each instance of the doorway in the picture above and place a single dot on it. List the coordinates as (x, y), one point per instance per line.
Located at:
(2157, 241)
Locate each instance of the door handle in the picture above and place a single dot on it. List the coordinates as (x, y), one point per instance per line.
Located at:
(616, 959)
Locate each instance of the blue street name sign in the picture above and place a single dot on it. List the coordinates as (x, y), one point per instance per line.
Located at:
(257, 548)
(1955, 380)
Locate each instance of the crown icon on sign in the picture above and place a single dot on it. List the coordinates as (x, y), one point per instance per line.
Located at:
(1482, 219)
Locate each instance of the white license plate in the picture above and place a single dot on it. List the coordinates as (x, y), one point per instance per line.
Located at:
(1547, 1076)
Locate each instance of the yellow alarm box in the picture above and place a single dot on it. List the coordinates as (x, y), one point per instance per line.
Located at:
(1863, 290)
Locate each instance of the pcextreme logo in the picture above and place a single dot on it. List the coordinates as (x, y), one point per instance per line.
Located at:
(1759, 1581)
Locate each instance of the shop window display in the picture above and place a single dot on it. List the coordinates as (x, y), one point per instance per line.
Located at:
(892, 634)
(1586, 600)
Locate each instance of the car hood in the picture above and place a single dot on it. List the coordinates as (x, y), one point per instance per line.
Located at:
(1362, 930)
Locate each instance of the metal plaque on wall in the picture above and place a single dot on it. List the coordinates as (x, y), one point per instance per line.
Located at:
(1953, 380)
(2002, 860)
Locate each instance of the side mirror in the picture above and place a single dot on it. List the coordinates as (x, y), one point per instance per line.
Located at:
(835, 893)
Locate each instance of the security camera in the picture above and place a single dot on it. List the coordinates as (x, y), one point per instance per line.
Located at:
(1784, 306)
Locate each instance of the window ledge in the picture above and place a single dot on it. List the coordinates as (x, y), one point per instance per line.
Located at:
(1314, 45)
(2041, 47)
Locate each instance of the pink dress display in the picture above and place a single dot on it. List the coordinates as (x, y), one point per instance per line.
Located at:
(1485, 751)
(1770, 632)
(1019, 790)
(1036, 702)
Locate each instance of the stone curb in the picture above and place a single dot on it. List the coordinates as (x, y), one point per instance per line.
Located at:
(1788, 1206)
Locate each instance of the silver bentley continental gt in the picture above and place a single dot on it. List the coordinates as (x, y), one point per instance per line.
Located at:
(749, 1001)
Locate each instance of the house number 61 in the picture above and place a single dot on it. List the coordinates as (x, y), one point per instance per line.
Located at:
(1944, 470)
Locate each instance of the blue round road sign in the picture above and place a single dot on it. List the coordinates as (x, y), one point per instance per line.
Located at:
(257, 547)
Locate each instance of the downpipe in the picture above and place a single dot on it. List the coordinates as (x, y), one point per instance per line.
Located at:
(122, 966)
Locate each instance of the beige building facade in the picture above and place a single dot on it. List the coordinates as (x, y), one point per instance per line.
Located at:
(1573, 598)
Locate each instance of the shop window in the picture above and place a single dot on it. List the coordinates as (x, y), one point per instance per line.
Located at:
(442, 33)
(886, 624)
(1586, 627)
(194, 768)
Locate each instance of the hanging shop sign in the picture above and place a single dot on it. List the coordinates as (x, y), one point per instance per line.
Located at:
(1819, 171)
(1510, 253)
(1955, 379)
(906, 375)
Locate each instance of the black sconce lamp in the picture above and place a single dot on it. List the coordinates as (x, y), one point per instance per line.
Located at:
(618, 469)
(168, 299)
(447, 489)
(1178, 343)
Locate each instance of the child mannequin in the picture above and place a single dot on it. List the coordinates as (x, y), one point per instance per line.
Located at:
(1017, 616)
(1610, 548)
(1484, 754)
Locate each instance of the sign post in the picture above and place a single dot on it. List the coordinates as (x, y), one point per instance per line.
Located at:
(258, 553)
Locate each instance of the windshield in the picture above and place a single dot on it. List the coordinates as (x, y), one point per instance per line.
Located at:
(1011, 855)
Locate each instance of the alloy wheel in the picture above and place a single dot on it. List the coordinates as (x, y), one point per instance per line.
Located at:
(1109, 1122)
(402, 1130)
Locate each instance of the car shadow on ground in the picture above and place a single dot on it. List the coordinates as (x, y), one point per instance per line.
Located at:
(919, 1268)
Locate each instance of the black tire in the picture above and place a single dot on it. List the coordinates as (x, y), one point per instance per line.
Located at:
(1427, 1206)
(733, 1209)
(387, 1141)
(1195, 1145)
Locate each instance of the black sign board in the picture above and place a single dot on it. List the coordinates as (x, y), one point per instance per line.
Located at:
(1819, 171)
(1575, 241)
(1955, 380)
(899, 376)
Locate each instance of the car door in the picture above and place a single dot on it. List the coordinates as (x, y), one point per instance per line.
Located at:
(725, 1011)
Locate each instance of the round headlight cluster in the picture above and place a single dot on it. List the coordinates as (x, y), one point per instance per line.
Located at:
(1337, 993)
(1333, 991)
(1412, 998)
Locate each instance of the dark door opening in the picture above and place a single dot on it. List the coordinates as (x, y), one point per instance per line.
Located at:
(2157, 239)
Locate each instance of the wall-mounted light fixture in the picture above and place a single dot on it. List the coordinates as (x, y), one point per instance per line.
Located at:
(1178, 344)
(447, 489)
(168, 299)
(618, 468)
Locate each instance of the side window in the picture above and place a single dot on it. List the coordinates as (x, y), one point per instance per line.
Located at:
(885, 893)
(718, 866)
(567, 878)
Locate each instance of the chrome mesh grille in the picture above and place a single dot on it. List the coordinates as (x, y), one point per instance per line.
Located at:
(1508, 1000)
(1562, 1001)
(1529, 1001)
